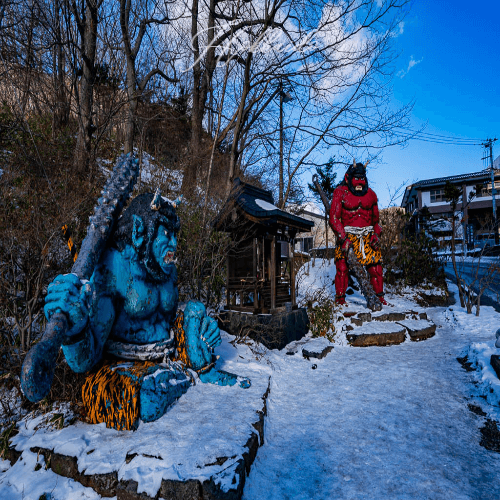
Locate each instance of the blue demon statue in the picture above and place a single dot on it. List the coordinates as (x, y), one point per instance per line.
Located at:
(125, 326)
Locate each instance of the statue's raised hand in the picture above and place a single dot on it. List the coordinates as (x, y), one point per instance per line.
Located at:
(68, 295)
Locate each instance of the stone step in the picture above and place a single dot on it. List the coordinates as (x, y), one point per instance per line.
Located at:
(383, 333)
(376, 334)
(358, 318)
(419, 329)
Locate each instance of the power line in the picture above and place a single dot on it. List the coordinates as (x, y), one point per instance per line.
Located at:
(418, 135)
(437, 138)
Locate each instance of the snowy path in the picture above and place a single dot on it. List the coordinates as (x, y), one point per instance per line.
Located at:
(378, 422)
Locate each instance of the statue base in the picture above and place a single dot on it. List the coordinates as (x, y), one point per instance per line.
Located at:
(274, 331)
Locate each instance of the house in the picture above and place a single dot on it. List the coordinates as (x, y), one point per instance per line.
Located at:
(321, 234)
(476, 216)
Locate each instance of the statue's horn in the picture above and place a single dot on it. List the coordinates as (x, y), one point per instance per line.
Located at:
(367, 161)
(354, 162)
(177, 201)
(156, 203)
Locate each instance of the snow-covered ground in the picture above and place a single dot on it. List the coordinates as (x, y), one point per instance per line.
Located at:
(362, 423)
(382, 422)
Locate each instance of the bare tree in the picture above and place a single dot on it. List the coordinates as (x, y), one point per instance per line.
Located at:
(138, 20)
(332, 59)
(84, 40)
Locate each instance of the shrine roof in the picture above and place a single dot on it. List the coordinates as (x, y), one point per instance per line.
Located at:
(257, 204)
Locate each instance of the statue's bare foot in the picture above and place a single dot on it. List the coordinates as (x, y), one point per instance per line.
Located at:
(340, 300)
(381, 298)
(221, 377)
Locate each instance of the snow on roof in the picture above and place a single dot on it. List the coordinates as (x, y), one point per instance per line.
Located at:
(265, 205)
(452, 178)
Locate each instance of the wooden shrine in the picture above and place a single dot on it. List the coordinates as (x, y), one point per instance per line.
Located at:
(260, 270)
(260, 286)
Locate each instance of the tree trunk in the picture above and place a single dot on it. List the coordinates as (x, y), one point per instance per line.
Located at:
(454, 262)
(202, 81)
(326, 238)
(238, 126)
(85, 129)
(132, 108)
(61, 105)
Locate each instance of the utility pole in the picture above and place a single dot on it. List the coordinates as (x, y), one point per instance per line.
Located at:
(489, 144)
(281, 181)
(284, 98)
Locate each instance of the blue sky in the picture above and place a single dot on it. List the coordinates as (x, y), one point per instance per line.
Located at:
(455, 85)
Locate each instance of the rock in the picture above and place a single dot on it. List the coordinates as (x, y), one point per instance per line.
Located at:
(391, 316)
(63, 465)
(317, 354)
(497, 335)
(361, 318)
(419, 329)
(431, 300)
(495, 364)
(365, 317)
(377, 334)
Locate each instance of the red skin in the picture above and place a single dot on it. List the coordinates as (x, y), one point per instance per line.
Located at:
(348, 209)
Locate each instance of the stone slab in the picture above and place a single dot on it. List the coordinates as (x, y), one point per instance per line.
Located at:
(318, 354)
(389, 316)
(274, 331)
(376, 334)
(419, 329)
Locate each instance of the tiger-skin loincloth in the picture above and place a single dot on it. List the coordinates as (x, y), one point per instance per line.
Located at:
(122, 392)
(371, 256)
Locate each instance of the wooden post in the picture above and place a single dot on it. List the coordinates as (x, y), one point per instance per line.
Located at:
(273, 273)
(264, 257)
(292, 275)
(255, 301)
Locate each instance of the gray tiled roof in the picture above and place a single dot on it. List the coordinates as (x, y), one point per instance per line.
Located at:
(453, 178)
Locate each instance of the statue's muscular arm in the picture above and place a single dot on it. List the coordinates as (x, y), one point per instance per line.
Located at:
(336, 214)
(84, 350)
(376, 218)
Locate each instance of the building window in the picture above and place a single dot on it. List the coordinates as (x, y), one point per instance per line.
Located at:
(486, 189)
(437, 195)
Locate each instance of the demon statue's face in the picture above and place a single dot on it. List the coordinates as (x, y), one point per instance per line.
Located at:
(355, 179)
(150, 225)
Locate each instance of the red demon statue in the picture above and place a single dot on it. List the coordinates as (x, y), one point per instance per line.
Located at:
(354, 218)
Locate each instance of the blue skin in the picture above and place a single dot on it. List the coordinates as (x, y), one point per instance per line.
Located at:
(122, 303)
